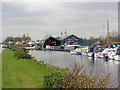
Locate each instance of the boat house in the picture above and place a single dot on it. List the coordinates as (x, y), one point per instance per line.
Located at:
(49, 40)
(70, 40)
(84, 43)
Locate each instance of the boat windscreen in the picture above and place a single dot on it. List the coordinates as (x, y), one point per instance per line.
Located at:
(101, 49)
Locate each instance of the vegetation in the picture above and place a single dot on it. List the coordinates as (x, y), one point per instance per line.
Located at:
(19, 73)
(29, 73)
(14, 39)
(51, 79)
(1, 71)
(113, 37)
(57, 37)
(20, 52)
(25, 72)
(75, 78)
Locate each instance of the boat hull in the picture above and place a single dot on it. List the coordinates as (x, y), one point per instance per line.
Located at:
(117, 57)
(90, 54)
(78, 53)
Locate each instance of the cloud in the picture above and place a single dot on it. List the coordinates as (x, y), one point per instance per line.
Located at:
(82, 19)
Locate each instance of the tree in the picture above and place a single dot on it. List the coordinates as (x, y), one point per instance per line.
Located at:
(57, 37)
(24, 38)
(8, 39)
(18, 39)
(38, 40)
(14, 39)
(114, 36)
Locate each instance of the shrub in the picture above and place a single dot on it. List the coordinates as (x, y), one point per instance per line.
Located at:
(76, 78)
(53, 78)
(20, 52)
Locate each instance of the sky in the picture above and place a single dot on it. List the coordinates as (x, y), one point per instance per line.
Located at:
(38, 19)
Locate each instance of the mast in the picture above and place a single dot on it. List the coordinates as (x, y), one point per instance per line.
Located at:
(107, 31)
(65, 31)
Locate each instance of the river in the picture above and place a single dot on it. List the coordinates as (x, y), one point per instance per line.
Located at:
(65, 59)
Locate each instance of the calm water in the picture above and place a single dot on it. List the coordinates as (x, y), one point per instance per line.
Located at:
(65, 59)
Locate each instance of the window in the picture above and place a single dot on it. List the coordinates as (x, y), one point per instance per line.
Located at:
(76, 39)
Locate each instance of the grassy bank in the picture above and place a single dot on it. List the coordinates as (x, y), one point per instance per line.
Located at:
(0, 71)
(18, 73)
(27, 73)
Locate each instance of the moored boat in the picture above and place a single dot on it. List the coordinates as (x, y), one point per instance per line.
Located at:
(110, 52)
(90, 51)
(73, 49)
(117, 56)
(98, 50)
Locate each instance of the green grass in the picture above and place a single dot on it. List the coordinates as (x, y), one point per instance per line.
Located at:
(18, 73)
(0, 71)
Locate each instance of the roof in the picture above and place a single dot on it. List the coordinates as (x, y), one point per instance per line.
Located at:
(62, 38)
(47, 37)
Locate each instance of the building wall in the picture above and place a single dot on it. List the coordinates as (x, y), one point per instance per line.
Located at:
(84, 43)
(71, 38)
(52, 42)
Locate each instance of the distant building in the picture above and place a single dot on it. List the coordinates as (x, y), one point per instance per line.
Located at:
(84, 43)
(70, 39)
(49, 40)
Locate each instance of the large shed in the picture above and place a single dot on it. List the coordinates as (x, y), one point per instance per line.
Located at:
(70, 39)
(49, 40)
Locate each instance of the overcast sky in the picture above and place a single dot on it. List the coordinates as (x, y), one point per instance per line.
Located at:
(52, 18)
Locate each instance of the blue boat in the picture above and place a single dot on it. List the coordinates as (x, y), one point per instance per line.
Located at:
(117, 56)
(90, 51)
(78, 53)
(45, 49)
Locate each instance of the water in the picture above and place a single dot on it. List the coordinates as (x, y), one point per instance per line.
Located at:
(65, 59)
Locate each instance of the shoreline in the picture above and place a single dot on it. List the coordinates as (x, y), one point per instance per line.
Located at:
(31, 72)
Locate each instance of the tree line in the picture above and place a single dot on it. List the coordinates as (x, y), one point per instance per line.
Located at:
(17, 39)
(113, 37)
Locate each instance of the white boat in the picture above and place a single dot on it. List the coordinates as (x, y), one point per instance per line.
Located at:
(73, 49)
(98, 50)
(90, 54)
(110, 52)
(117, 56)
(73, 52)
(84, 50)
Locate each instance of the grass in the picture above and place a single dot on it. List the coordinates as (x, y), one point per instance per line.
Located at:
(0, 71)
(18, 73)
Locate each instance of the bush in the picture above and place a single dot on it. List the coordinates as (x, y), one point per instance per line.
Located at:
(75, 78)
(53, 78)
(20, 52)
(24, 56)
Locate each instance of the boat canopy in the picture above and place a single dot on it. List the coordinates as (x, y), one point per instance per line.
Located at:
(75, 43)
(99, 48)
(91, 48)
(114, 45)
(118, 51)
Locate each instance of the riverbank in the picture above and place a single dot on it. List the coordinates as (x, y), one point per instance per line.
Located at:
(29, 73)
(18, 73)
